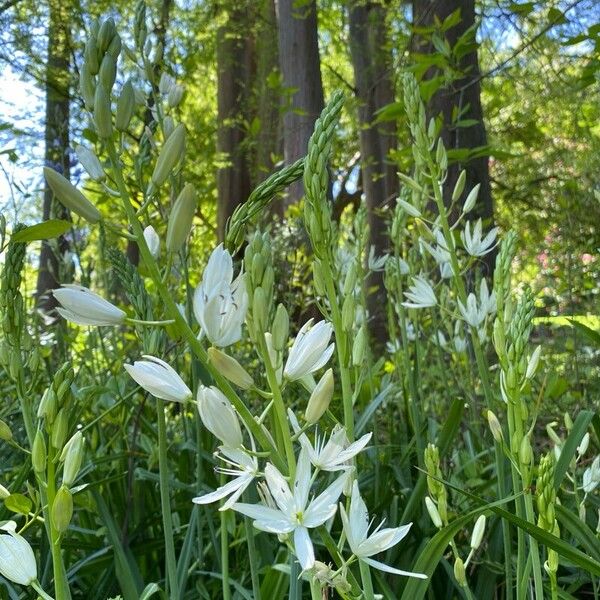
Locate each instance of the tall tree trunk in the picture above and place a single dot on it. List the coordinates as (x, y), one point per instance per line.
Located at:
(56, 154)
(371, 59)
(462, 95)
(301, 73)
(235, 56)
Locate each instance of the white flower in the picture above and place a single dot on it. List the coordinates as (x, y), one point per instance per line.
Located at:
(310, 351)
(487, 300)
(220, 302)
(244, 469)
(591, 476)
(471, 313)
(446, 271)
(376, 263)
(420, 294)
(294, 513)
(441, 340)
(460, 344)
(159, 378)
(363, 545)
(473, 242)
(333, 454)
(152, 241)
(84, 307)
(219, 416)
(17, 561)
(440, 251)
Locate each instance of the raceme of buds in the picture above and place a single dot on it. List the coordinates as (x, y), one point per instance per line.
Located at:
(310, 350)
(72, 456)
(159, 378)
(152, 241)
(84, 307)
(70, 196)
(170, 154)
(218, 416)
(320, 398)
(17, 561)
(90, 162)
(181, 218)
(62, 509)
(230, 368)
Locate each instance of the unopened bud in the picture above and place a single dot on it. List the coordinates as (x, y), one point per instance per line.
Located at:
(125, 107)
(259, 308)
(459, 186)
(181, 217)
(320, 398)
(47, 407)
(175, 95)
(87, 87)
(59, 431)
(152, 241)
(70, 196)
(5, 432)
(318, 280)
(433, 512)
(281, 327)
(168, 126)
(358, 346)
(102, 113)
(38, 453)
(106, 34)
(350, 279)
(533, 363)
(72, 455)
(459, 572)
(170, 154)
(495, 426)
(114, 49)
(230, 368)
(478, 531)
(91, 56)
(89, 161)
(108, 72)
(62, 509)
(583, 446)
(348, 313)
(471, 199)
(525, 451)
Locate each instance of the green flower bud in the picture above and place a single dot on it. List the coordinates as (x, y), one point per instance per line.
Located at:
(434, 514)
(70, 196)
(358, 346)
(115, 47)
(38, 453)
(459, 186)
(525, 451)
(108, 72)
(495, 426)
(72, 455)
(181, 218)
(175, 95)
(348, 313)
(87, 87)
(320, 398)
(102, 113)
(170, 154)
(230, 368)
(478, 531)
(62, 509)
(459, 572)
(168, 126)
(5, 431)
(91, 55)
(318, 280)
(58, 435)
(48, 406)
(259, 308)
(106, 34)
(281, 328)
(350, 280)
(125, 107)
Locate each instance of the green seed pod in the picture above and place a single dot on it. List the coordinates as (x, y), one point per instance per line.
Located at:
(181, 218)
(125, 107)
(70, 196)
(320, 398)
(281, 328)
(5, 431)
(106, 34)
(230, 368)
(38, 453)
(91, 55)
(102, 113)
(60, 429)
(62, 509)
(87, 87)
(170, 154)
(108, 72)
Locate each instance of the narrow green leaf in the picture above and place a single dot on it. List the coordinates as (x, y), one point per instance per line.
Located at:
(588, 332)
(582, 422)
(149, 590)
(579, 530)
(42, 231)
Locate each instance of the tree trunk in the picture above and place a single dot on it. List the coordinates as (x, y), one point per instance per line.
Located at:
(56, 154)
(301, 74)
(463, 94)
(371, 59)
(235, 55)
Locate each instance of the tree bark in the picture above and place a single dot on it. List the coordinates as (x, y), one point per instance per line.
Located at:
(371, 59)
(235, 56)
(56, 137)
(463, 94)
(301, 74)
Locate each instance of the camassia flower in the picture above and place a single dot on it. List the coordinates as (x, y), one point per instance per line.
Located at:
(219, 416)
(471, 313)
(159, 378)
(473, 242)
(244, 468)
(295, 513)
(420, 294)
(310, 351)
(17, 561)
(220, 302)
(363, 546)
(84, 307)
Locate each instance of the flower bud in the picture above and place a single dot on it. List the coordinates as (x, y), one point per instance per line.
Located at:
(106, 34)
(533, 363)
(72, 455)
(108, 72)
(181, 217)
(89, 161)
(358, 346)
(102, 113)
(62, 509)
(478, 531)
(433, 512)
(471, 200)
(175, 95)
(230, 368)
(459, 572)
(259, 308)
(168, 126)
(114, 49)
(583, 446)
(87, 87)
(4, 493)
(70, 196)
(219, 416)
(348, 313)
(58, 435)
(525, 451)
(318, 280)
(152, 241)
(91, 55)
(350, 279)
(5, 432)
(281, 328)
(125, 107)
(38, 453)
(495, 426)
(170, 154)
(459, 186)
(320, 398)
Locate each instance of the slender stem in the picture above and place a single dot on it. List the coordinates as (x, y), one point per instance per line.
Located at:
(165, 503)
(315, 589)
(225, 557)
(38, 588)
(365, 575)
(253, 559)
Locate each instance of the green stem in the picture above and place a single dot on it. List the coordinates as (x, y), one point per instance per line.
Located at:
(253, 559)
(315, 589)
(38, 588)
(225, 557)
(295, 592)
(365, 576)
(165, 503)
